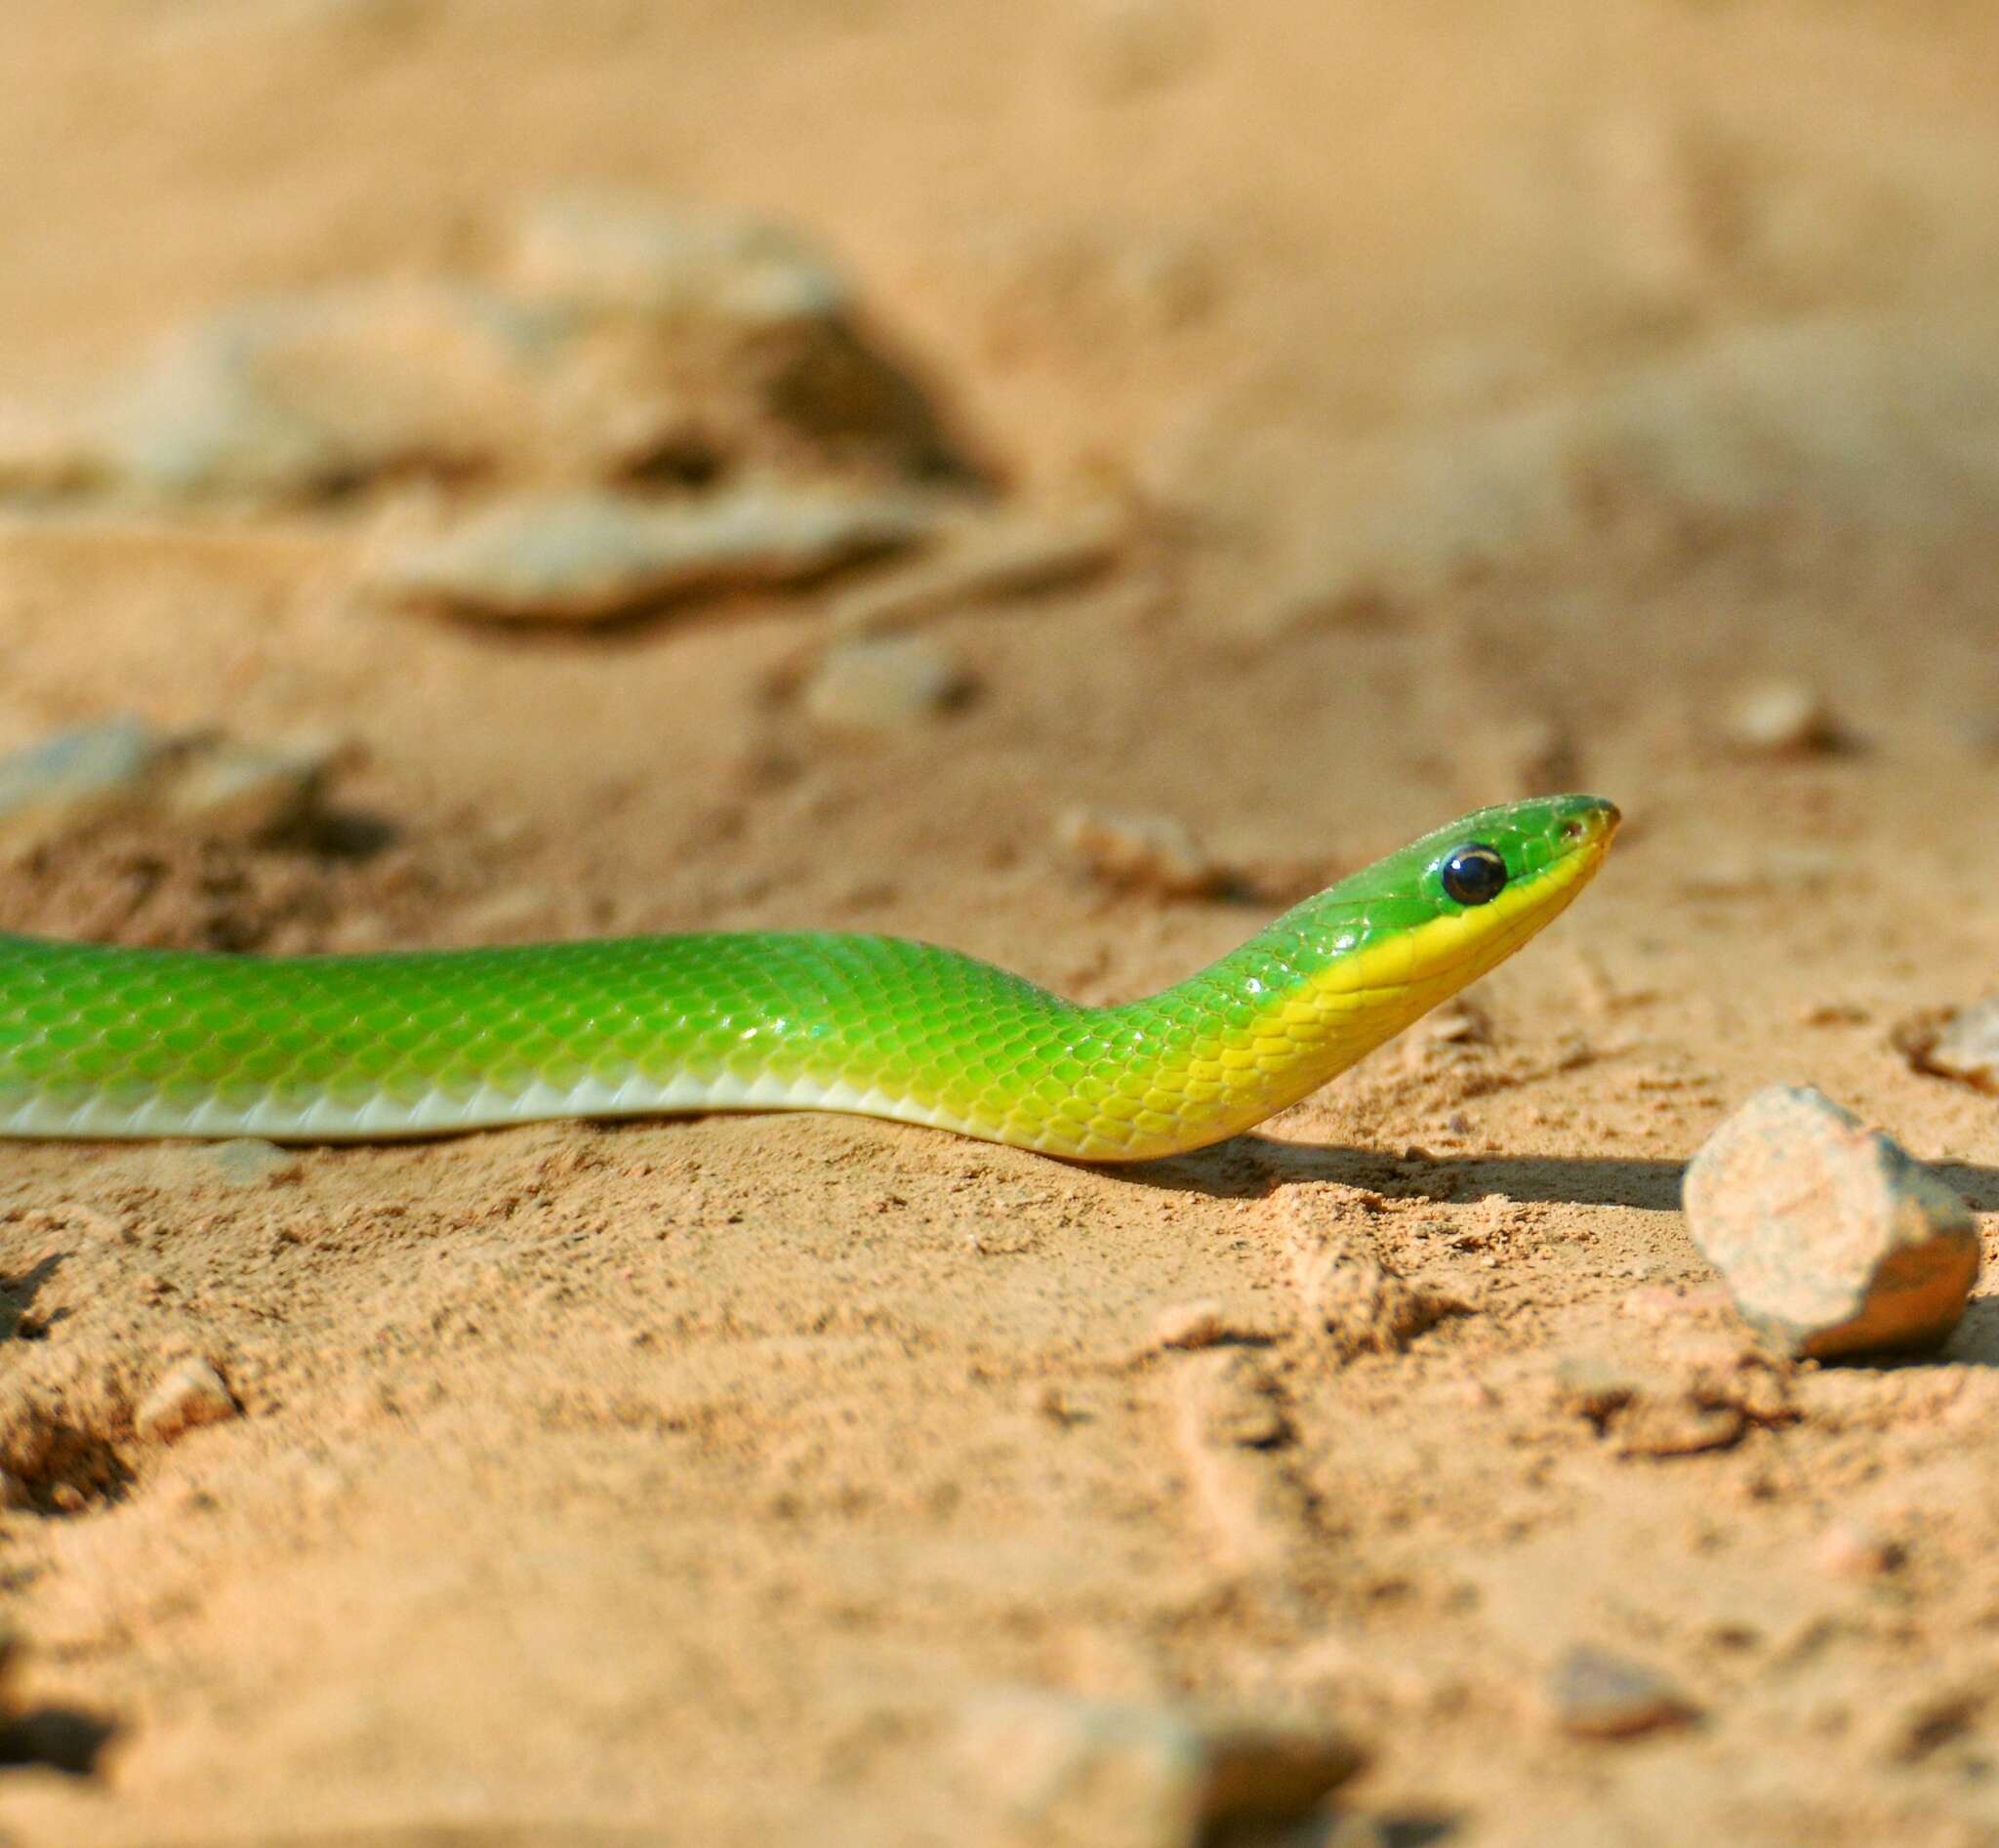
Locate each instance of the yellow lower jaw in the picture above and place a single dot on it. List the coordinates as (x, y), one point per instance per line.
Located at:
(1361, 1001)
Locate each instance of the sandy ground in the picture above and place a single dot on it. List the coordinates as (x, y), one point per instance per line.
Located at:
(1490, 392)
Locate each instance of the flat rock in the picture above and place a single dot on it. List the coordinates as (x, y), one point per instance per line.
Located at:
(1098, 1774)
(190, 1393)
(1832, 1240)
(596, 556)
(123, 770)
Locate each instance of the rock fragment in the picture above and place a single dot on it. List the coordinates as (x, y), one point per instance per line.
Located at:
(1152, 854)
(1780, 718)
(1597, 1694)
(1831, 1239)
(1068, 1771)
(593, 557)
(988, 560)
(191, 1393)
(1963, 1044)
(881, 683)
(79, 782)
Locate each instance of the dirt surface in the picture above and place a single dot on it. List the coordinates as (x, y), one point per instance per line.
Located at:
(1483, 398)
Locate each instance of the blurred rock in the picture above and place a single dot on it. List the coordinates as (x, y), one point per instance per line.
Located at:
(1077, 1773)
(191, 1394)
(1152, 854)
(1779, 719)
(121, 771)
(298, 396)
(885, 683)
(703, 331)
(1596, 1694)
(1964, 1045)
(985, 561)
(595, 557)
(1831, 1239)
(640, 343)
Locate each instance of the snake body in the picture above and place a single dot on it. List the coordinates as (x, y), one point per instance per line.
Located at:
(106, 1042)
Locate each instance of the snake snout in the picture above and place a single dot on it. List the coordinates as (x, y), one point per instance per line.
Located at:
(1588, 821)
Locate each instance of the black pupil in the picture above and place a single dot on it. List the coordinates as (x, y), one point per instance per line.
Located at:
(1474, 874)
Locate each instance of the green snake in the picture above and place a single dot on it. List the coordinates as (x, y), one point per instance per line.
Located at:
(105, 1042)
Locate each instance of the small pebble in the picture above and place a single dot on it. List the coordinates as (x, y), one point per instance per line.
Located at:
(1597, 1694)
(191, 1393)
(1141, 853)
(1831, 1239)
(1780, 718)
(885, 683)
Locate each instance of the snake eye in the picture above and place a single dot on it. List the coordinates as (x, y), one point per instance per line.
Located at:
(1474, 874)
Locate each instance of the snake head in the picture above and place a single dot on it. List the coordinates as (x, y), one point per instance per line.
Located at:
(1453, 904)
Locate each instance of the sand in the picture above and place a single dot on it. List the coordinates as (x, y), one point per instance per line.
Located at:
(1482, 398)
